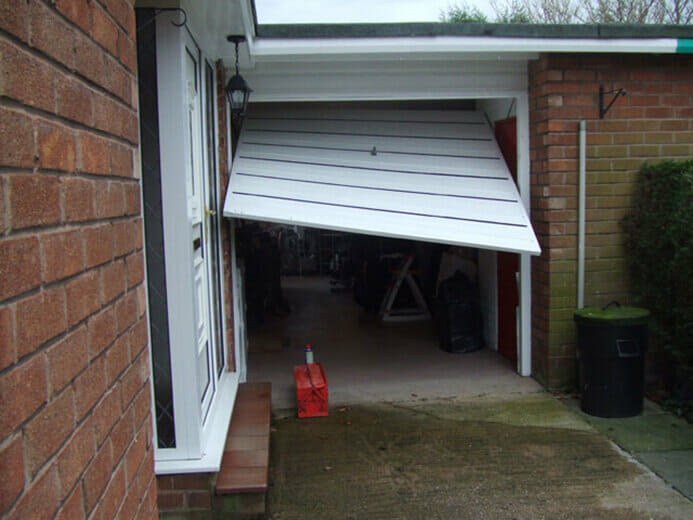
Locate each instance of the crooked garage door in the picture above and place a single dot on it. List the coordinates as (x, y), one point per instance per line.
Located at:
(435, 176)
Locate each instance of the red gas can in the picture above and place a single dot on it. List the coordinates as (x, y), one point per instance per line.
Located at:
(311, 390)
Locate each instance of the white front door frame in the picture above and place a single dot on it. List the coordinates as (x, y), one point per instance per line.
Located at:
(174, 158)
(200, 429)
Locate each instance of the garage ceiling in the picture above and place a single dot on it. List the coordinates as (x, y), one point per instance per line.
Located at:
(434, 176)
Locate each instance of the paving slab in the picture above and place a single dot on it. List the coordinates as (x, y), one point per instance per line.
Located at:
(650, 431)
(674, 466)
(658, 439)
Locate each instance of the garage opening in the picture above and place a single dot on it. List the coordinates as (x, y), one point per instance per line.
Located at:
(371, 234)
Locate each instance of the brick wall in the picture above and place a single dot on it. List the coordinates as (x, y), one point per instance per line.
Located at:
(75, 427)
(224, 170)
(186, 494)
(654, 121)
(193, 496)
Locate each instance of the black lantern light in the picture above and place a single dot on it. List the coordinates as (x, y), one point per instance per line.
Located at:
(237, 90)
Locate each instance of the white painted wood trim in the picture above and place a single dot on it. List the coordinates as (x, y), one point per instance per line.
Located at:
(248, 22)
(238, 313)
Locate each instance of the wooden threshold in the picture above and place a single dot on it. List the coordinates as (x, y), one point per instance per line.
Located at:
(245, 463)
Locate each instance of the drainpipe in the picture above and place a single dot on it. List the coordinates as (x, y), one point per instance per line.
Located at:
(581, 217)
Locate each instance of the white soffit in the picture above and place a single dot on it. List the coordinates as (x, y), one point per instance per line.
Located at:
(434, 176)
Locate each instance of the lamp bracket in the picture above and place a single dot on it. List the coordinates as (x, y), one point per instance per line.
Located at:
(235, 38)
(160, 10)
(616, 91)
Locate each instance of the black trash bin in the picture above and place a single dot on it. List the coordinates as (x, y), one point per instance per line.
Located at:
(612, 343)
(458, 312)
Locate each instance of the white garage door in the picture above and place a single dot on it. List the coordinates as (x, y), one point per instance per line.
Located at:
(435, 176)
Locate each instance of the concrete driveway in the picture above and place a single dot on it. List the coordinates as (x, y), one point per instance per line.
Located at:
(516, 457)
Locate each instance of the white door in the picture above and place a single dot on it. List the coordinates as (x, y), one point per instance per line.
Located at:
(212, 222)
(196, 217)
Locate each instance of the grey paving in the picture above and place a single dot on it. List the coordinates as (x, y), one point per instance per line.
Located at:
(658, 439)
(674, 466)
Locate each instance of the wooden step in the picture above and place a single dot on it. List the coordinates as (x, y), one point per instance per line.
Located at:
(245, 464)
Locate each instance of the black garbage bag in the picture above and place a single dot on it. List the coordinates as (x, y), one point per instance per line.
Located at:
(458, 314)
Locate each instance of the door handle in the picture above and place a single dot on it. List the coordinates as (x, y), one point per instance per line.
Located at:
(208, 213)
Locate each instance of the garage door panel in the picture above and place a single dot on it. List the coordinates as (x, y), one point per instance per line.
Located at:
(453, 166)
(393, 199)
(381, 223)
(425, 180)
(499, 188)
(336, 141)
(457, 132)
(306, 112)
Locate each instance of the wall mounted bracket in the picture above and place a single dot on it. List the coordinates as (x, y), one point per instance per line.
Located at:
(602, 109)
(160, 10)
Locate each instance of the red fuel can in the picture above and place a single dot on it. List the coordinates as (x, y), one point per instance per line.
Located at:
(311, 390)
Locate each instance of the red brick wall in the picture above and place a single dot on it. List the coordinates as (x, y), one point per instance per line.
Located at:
(75, 426)
(654, 121)
(186, 494)
(224, 170)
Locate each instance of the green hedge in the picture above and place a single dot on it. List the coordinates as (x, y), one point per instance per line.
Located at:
(659, 241)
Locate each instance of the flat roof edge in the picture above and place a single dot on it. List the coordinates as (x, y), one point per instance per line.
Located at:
(491, 30)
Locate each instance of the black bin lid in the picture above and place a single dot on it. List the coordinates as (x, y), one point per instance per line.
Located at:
(612, 314)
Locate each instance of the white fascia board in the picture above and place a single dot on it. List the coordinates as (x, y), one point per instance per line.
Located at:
(334, 48)
(403, 56)
(248, 20)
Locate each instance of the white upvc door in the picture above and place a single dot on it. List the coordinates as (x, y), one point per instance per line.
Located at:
(203, 391)
(200, 243)
(212, 215)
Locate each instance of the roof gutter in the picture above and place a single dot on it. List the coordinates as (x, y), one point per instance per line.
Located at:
(272, 49)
